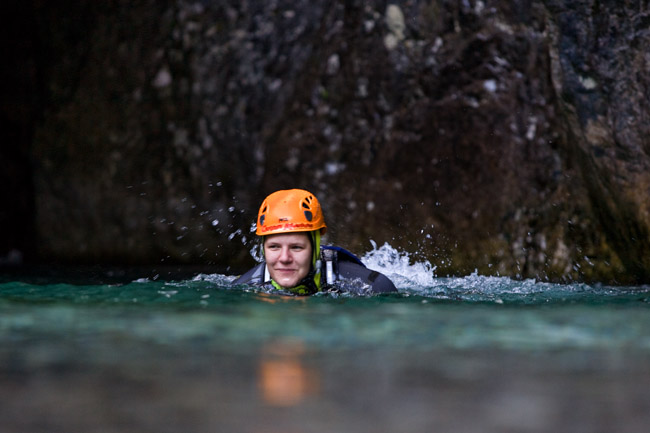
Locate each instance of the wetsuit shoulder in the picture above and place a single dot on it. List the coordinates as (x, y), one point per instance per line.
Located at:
(252, 276)
(342, 254)
(378, 282)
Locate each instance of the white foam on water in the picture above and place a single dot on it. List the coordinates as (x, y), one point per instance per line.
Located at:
(419, 277)
(142, 280)
(399, 267)
(490, 284)
(218, 279)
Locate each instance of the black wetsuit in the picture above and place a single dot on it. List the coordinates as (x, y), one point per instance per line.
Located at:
(349, 274)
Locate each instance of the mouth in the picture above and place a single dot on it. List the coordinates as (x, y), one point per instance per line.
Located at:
(285, 271)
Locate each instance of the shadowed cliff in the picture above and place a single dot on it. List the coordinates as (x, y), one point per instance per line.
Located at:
(506, 138)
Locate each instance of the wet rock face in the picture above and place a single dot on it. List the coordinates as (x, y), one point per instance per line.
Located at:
(602, 74)
(506, 138)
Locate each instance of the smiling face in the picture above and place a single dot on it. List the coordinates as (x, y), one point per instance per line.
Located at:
(288, 257)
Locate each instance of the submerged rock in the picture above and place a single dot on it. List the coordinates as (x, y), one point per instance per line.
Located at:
(504, 137)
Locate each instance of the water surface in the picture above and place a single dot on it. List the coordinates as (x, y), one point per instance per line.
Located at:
(195, 354)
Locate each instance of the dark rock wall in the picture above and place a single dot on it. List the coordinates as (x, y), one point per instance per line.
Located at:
(506, 137)
(601, 73)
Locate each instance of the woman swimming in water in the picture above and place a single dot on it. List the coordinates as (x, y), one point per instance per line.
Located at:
(291, 223)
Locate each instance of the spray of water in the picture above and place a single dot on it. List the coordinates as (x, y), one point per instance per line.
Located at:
(218, 279)
(418, 278)
(399, 267)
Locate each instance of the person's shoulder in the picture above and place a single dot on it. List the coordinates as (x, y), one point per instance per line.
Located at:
(255, 275)
(342, 254)
(378, 282)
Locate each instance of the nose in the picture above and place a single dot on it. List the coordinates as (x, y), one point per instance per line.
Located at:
(285, 255)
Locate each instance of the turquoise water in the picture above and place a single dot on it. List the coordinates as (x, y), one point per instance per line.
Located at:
(472, 353)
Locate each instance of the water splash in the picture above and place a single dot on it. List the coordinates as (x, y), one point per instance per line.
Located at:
(257, 252)
(399, 267)
(219, 280)
(417, 278)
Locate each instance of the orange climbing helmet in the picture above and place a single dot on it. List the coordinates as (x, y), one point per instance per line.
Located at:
(293, 210)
